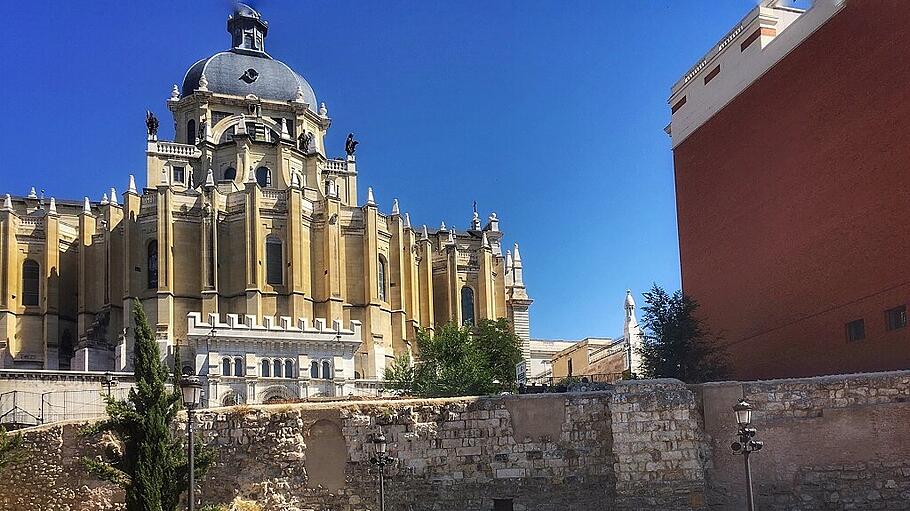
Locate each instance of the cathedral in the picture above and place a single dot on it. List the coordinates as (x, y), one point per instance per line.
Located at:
(247, 249)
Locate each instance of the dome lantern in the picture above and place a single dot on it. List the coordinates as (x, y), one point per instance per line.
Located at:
(247, 29)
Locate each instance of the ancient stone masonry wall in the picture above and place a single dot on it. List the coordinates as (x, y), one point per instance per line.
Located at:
(832, 443)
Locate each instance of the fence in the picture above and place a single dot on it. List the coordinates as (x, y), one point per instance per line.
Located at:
(545, 384)
(20, 408)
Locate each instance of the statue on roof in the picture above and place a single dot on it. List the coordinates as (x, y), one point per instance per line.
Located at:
(151, 123)
(350, 145)
(306, 142)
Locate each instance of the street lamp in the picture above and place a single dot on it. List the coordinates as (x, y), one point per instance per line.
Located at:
(108, 382)
(191, 388)
(745, 445)
(381, 458)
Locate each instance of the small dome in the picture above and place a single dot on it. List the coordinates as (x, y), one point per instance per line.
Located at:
(246, 68)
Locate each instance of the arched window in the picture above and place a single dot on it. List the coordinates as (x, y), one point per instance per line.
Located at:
(238, 366)
(266, 369)
(225, 366)
(314, 369)
(289, 369)
(31, 281)
(230, 174)
(264, 177)
(152, 265)
(191, 132)
(380, 280)
(356, 375)
(467, 306)
(274, 264)
(326, 370)
(277, 369)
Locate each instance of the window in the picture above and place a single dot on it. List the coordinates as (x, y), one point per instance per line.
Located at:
(274, 264)
(502, 505)
(381, 278)
(238, 366)
(179, 174)
(326, 370)
(191, 132)
(230, 174)
(856, 330)
(277, 369)
(314, 369)
(896, 318)
(570, 367)
(288, 369)
(266, 367)
(226, 367)
(31, 275)
(152, 265)
(467, 306)
(710, 76)
(264, 177)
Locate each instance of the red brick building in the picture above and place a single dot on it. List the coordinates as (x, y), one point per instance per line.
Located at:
(791, 145)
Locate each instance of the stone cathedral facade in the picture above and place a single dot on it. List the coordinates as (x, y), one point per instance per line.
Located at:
(245, 226)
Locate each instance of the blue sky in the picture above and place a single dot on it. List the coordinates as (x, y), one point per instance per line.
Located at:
(550, 113)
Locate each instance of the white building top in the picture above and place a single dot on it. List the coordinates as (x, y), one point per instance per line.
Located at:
(282, 328)
(758, 42)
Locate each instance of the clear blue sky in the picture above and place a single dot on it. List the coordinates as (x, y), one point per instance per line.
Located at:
(550, 113)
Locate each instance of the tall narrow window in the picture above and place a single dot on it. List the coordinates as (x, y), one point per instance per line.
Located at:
(179, 174)
(266, 369)
(276, 371)
(326, 370)
(380, 280)
(288, 369)
(226, 367)
(274, 263)
(238, 366)
(314, 369)
(152, 265)
(570, 367)
(467, 306)
(264, 177)
(31, 281)
(191, 132)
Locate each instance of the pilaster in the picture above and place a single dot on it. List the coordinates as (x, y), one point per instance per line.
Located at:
(50, 306)
(255, 249)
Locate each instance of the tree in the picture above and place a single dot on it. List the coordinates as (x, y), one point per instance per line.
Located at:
(677, 344)
(151, 465)
(459, 361)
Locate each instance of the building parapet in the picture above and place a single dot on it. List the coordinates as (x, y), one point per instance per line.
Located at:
(173, 149)
(280, 328)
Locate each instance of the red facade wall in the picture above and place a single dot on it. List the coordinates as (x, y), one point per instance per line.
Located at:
(793, 203)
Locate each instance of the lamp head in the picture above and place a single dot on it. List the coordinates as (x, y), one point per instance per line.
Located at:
(191, 388)
(380, 443)
(743, 413)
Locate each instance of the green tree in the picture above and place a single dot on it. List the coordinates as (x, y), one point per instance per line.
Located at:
(459, 361)
(11, 450)
(677, 344)
(152, 465)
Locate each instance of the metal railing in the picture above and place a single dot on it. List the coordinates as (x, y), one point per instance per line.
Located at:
(20, 408)
(575, 383)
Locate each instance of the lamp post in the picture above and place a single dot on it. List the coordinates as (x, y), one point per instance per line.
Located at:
(745, 444)
(191, 388)
(381, 459)
(108, 382)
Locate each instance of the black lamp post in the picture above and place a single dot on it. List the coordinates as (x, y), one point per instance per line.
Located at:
(745, 445)
(381, 459)
(108, 382)
(191, 388)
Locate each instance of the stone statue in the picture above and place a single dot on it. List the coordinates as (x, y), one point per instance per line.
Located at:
(306, 142)
(350, 146)
(151, 123)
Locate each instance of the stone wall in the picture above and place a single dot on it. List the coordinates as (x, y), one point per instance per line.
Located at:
(831, 443)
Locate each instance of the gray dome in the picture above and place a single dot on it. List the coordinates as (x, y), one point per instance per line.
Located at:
(246, 68)
(240, 74)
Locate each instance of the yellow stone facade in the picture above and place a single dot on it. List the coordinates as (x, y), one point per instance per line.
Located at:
(241, 214)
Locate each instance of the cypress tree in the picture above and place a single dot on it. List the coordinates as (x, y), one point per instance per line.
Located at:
(152, 465)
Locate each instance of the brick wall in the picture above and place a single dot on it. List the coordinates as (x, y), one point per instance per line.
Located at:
(831, 443)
